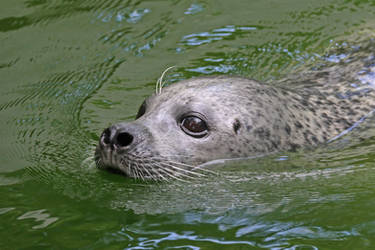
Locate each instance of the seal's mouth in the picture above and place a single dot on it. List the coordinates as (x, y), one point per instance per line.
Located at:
(114, 171)
(104, 158)
(109, 159)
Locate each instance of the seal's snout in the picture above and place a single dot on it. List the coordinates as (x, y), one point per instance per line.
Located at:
(116, 138)
(105, 138)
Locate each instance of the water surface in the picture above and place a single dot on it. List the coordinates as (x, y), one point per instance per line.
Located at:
(68, 69)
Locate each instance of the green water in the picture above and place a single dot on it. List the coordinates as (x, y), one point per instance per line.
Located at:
(68, 69)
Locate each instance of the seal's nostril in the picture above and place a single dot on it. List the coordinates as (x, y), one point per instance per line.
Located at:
(124, 139)
(106, 136)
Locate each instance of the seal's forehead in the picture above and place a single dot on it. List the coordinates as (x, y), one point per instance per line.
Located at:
(199, 89)
(199, 85)
(202, 82)
(188, 92)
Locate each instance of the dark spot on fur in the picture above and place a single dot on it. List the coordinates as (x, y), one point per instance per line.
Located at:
(263, 133)
(314, 139)
(274, 145)
(236, 126)
(322, 74)
(318, 124)
(287, 129)
(298, 124)
(344, 122)
(306, 135)
(305, 102)
(249, 127)
(294, 147)
(365, 110)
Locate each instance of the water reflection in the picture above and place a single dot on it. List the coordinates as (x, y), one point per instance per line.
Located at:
(227, 32)
(39, 216)
(130, 16)
(194, 9)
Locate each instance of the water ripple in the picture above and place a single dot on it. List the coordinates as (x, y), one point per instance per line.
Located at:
(227, 32)
(194, 9)
(128, 15)
(48, 11)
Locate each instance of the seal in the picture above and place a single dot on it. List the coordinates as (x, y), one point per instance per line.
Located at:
(195, 121)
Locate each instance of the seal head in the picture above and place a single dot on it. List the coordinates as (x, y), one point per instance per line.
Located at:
(187, 124)
(208, 118)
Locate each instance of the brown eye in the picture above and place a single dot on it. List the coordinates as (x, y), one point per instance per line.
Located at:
(142, 110)
(194, 126)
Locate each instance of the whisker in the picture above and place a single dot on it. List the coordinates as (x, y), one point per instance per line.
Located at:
(146, 170)
(193, 167)
(167, 171)
(157, 170)
(178, 163)
(155, 178)
(159, 82)
(161, 176)
(172, 175)
(138, 171)
(137, 175)
(132, 171)
(143, 167)
(180, 170)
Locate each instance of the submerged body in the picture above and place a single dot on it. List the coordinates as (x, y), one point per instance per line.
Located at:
(209, 118)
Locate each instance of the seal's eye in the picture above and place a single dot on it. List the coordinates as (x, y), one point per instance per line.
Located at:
(142, 110)
(194, 126)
